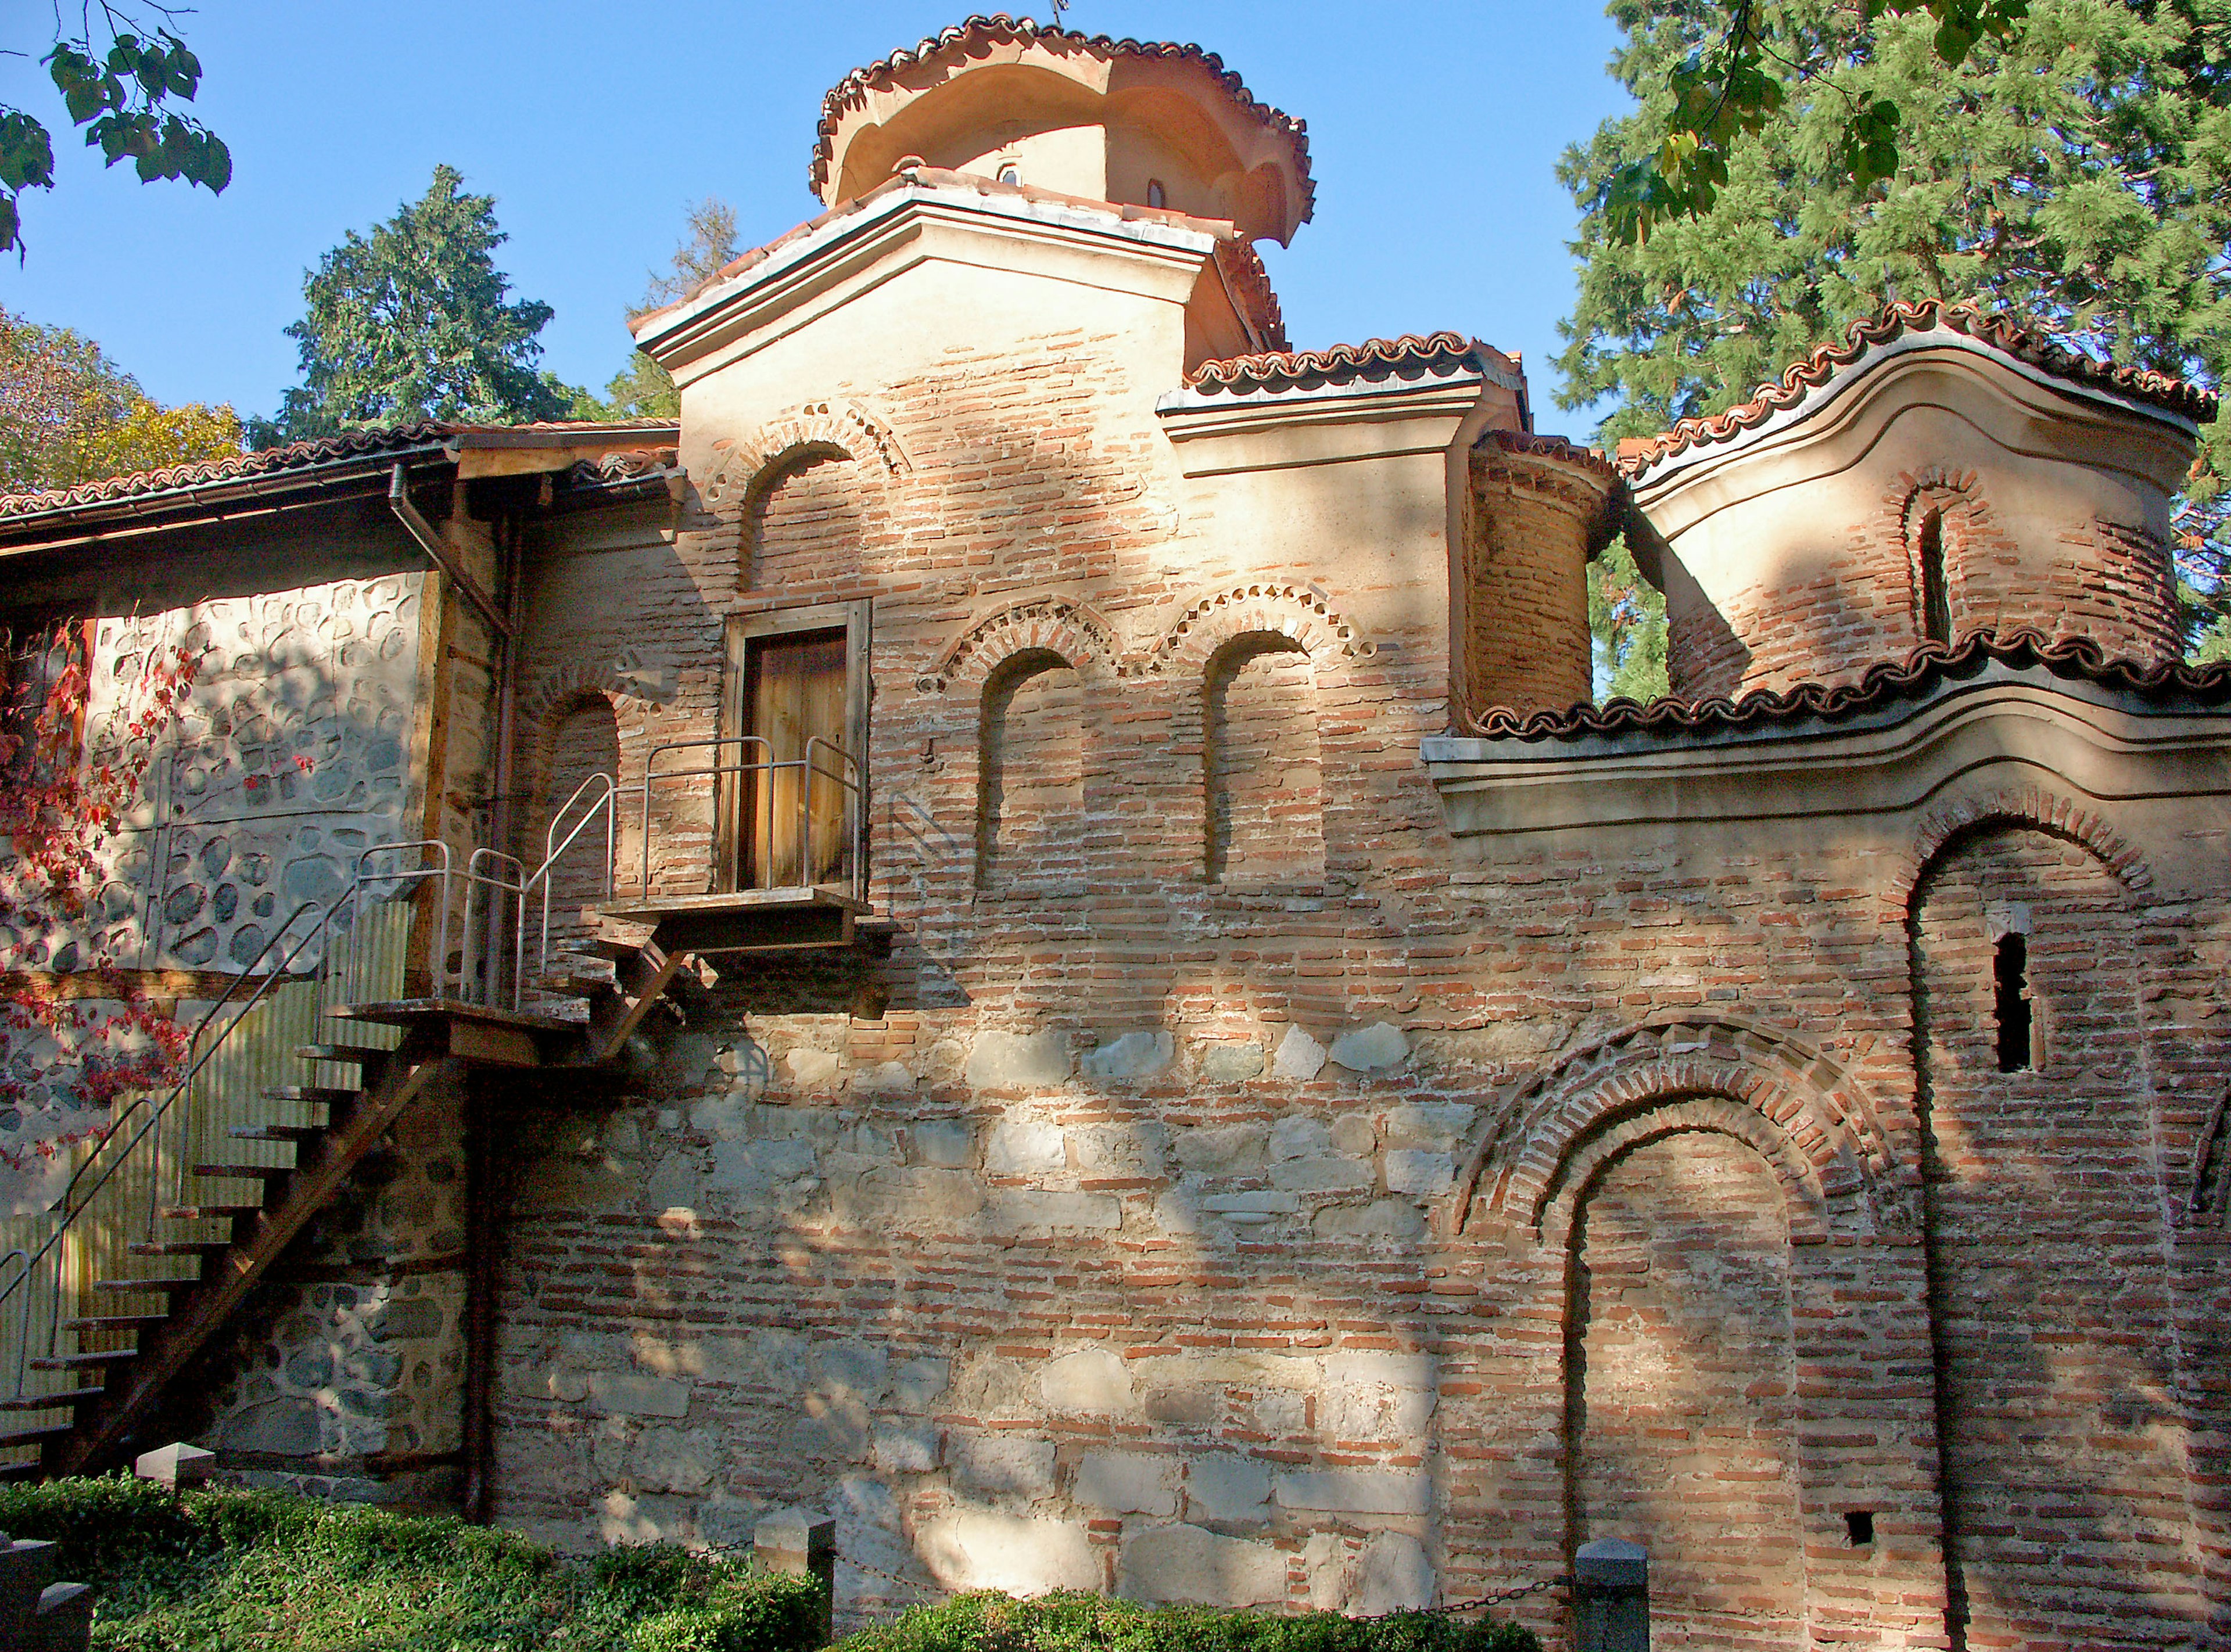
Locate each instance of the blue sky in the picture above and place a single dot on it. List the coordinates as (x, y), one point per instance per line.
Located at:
(1434, 131)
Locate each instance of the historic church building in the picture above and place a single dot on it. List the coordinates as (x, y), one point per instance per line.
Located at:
(1021, 932)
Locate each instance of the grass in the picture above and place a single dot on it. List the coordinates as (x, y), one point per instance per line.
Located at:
(264, 1572)
(1081, 1622)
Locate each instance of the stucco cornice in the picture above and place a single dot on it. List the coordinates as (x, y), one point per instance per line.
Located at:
(2110, 743)
(837, 258)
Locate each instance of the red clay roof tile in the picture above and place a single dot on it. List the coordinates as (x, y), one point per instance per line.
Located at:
(297, 456)
(1001, 28)
(1273, 368)
(2037, 348)
(1913, 677)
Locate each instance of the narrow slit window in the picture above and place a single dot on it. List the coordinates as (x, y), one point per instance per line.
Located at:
(1011, 173)
(1936, 600)
(1156, 195)
(1859, 1527)
(2010, 979)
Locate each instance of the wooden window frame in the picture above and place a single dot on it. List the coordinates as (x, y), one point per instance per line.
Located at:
(740, 631)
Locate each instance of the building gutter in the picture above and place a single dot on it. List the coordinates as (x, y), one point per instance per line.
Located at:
(415, 524)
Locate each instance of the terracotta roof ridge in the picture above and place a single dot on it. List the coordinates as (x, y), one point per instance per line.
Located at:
(2037, 347)
(1339, 361)
(1915, 673)
(852, 88)
(1539, 446)
(295, 456)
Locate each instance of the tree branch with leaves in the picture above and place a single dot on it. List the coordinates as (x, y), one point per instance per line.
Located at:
(121, 79)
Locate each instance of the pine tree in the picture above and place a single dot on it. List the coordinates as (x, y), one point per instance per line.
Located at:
(2078, 176)
(411, 323)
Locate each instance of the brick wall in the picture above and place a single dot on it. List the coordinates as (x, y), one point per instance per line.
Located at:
(2066, 1448)
(1128, 1229)
(2106, 581)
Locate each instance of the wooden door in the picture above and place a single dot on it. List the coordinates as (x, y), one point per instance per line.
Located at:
(795, 816)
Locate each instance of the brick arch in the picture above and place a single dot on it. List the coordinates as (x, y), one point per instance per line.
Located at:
(2031, 806)
(623, 683)
(1302, 613)
(824, 429)
(1049, 622)
(1805, 1204)
(1804, 1111)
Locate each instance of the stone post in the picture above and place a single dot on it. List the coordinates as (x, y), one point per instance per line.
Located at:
(793, 1541)
(1611, 1587)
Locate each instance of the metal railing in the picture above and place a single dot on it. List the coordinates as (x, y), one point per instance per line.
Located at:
(149, 1149)
(749, 791)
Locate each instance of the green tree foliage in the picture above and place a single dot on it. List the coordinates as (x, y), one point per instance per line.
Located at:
(121, 80)
(410, 322)
(1627, 616)
(68, 414)
(2077, 174)
(643, 388)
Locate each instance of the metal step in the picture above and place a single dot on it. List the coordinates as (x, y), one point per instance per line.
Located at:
(114, 1321)
(173, 1283)
(243, 1171)
(178, 1247)
(79, 1361)
(22, 1433)
(277, 1132)
(223, 1212)
(52, 1402)
(354, 1055)
(312, 1094)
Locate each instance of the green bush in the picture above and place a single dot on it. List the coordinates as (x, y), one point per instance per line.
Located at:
(214, 1571)
(1080, 1622)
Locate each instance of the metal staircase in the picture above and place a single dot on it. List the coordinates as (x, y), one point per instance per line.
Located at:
(177, 1211)
(315, 1051)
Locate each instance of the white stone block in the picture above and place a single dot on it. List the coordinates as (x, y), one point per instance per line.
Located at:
(1126, 1482)
(1016, 1060)
(1231, 1150)
(979, 1549)
(1003, 1462)
(1438, 1127)
(630, 1395)
(811, 1070)
(1230, 1063)
(885, 1078)
(1421, 1175)
(1390, 1575)
(948, 1143)
(1355, 1491)
(1385, 1219)
(1183, 1563)
(1025, 1148)
(1300, 1136)
(1365, 1049)
(1134, 1056)
(1326, 1175)
(675, 1460)
(1091, 1380)
(1118, 1151)
(1019, 1209)
(1300, 1057)
(1226, 1488)
(906, 1450)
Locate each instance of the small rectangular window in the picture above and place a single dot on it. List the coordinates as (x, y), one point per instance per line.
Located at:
(794, 727)
(2011, 1002)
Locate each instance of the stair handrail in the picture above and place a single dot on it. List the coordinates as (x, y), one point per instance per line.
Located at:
(605, 805)
(845, 775)
(153, 1124)
(157, 1112)
(23, 1342)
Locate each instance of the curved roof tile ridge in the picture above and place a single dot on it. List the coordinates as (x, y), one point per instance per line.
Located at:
(295, 455)
(1907, 677)
(998, 26)
(1341, 361)
(1532, 445)
(2001, 331)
